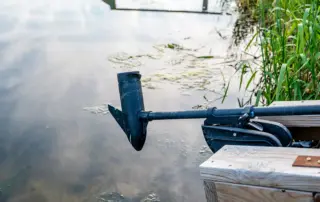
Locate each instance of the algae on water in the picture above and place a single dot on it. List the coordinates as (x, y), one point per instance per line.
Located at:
(118, 197)
(101, 109)
(190, 69)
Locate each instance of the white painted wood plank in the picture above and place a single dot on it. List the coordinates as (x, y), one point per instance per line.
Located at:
(296, 103)
(296, 121)
(262, 166)
(227, 192)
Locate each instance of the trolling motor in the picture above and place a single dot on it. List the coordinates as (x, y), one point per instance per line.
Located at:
(221, 126)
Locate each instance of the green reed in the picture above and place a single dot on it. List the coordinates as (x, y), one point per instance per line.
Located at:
(289, 39)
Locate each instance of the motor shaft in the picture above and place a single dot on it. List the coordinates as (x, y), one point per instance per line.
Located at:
(213, 112)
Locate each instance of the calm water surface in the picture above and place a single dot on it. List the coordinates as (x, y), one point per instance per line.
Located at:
(54, 63)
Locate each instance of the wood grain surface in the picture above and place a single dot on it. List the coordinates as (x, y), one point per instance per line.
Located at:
(296, 121)
(227, 192)
(262, 166)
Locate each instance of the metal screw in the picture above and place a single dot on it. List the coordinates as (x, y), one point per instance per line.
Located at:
(308, 159)
(234, 134)
(318, 161)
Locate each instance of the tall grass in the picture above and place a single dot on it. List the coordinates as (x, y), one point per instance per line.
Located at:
(289, 39)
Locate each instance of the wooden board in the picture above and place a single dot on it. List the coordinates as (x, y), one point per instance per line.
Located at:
(227, 192)
(296, 103)
(262, 166)
(312, 133)
(296, 121)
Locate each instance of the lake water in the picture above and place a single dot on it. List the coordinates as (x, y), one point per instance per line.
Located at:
(58, 62)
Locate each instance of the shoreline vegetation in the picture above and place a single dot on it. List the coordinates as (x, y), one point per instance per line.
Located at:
(287, 33)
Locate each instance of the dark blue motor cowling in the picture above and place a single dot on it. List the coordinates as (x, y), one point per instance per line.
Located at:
(131, 103)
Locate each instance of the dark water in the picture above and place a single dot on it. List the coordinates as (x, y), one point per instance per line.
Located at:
(54, 63)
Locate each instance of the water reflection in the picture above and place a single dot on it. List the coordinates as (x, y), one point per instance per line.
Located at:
(53, 63)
